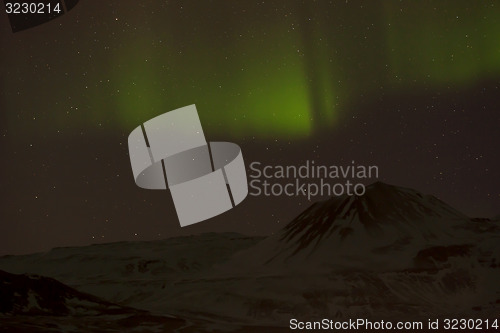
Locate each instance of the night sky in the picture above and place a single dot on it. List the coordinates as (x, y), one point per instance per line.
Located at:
(412, 87)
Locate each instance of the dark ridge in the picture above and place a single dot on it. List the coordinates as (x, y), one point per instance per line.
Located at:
(17, 290)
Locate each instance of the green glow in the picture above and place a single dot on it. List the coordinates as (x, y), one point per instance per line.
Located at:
(277, 104)
(271, 93)
(320, 58)
(254, 70)
(442, 44)
(264, 95)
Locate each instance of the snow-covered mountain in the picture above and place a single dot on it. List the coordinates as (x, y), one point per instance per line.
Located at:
(383, 229)
(118, 272)
(34, 294)
(391, 253)
(33, 303)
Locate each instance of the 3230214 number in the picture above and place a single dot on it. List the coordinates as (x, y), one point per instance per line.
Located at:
(32, 8)
(470, 324)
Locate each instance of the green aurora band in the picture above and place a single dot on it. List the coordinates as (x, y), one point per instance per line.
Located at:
(278, 69)
(295, 71)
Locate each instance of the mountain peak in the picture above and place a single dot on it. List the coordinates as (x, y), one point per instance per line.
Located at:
(380, 184)
(384, 214)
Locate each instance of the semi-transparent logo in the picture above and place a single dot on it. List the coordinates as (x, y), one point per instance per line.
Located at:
(310, 179)
(170, 151)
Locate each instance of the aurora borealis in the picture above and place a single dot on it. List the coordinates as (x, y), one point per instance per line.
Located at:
(410, 86)
(269, 68)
